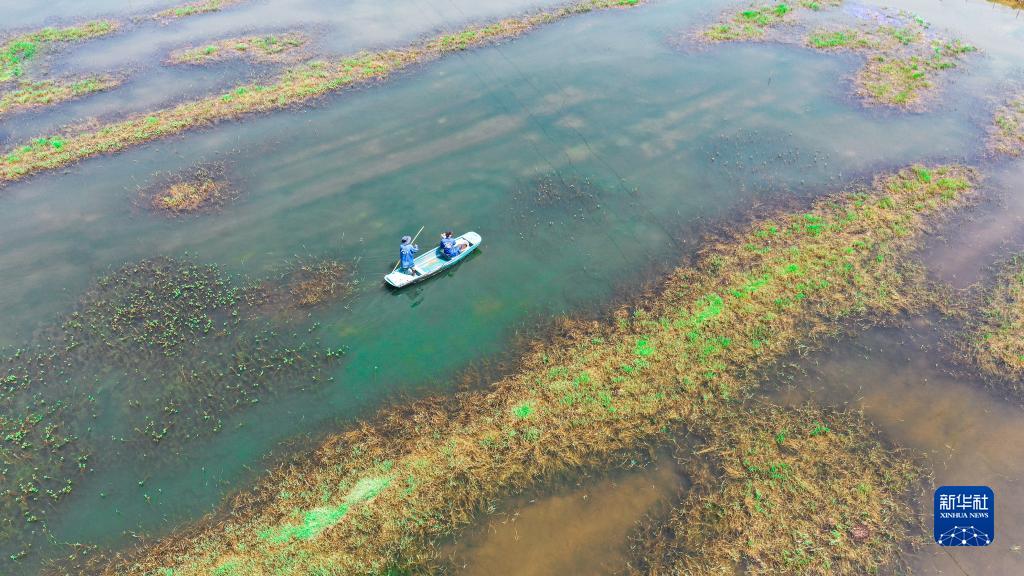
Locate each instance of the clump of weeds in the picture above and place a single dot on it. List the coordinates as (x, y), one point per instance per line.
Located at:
(1006, 136)
(266, 48)
(202, 189)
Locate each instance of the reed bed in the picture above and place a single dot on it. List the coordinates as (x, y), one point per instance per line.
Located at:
(298, 85)
(373, 499)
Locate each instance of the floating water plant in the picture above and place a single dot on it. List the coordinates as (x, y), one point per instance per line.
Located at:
(998, 342)
(172, 346)
(1006, 136)
(204, 188)
(17, 51)
(826, 503)
(681, 359)
(29, 94)
(297, 85)
(266, 48)
(194, 8)
(314, 282)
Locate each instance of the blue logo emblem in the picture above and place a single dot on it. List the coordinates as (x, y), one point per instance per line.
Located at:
(964, 516)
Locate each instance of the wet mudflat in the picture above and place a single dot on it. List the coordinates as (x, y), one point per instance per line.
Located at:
(585, 153)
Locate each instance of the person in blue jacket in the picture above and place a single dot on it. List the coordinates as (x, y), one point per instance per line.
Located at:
(449, 249)
(407, 252)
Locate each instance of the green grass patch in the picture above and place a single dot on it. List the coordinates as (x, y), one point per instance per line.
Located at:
(29, 95)
(1006, 135)
(16, 52)
(266, 48)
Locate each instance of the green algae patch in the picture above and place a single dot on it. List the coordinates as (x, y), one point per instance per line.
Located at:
(36, 94)
(801, 491)
(902, 60)
(265, 48)
(300, 84)
(754, 22)
(16, 52)
(194, 9)
(682, 359)
(998, 342)
(1006, 136)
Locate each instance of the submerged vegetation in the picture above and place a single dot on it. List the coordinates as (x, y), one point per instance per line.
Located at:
(194, 8)
(299, 84)
(268, 48)
(902, 58)
(202, 189)
(19, 50)
(29, 94)
(317, 282)
(802, 491)
(373, 498)
(1007, 133)
(998, 343)
(154, 355)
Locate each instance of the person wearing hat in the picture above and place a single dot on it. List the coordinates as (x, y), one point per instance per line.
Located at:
(407, 252)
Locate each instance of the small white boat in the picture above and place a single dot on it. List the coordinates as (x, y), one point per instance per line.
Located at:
(430, 262)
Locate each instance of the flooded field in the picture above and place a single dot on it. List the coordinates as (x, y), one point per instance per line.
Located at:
(185, 314)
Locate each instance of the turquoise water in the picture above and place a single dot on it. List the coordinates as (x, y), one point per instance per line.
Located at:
(591, 155)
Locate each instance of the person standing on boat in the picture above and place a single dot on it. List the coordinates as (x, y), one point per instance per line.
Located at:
(407, 253)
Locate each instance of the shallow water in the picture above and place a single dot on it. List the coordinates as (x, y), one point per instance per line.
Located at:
(657, 138)
(583, 529)
(969, 434)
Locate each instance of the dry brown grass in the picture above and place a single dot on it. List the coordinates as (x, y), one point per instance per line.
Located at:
(802, 491)
(998, 342)
(298, 85)
(1006, 136)
(265, 48)
(375, 497)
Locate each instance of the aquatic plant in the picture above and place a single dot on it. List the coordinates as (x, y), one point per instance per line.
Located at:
(267, 48)
(300, 84)
(171, 347)
(203, 188)
(997, 343)
(194, 8)
(794, 497)
(30, 94)
(17, 51)
(679, 360)
(902, 60)
(1006, 136)
(754, 22)
(311, 283)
